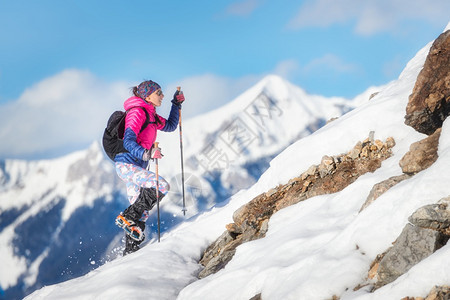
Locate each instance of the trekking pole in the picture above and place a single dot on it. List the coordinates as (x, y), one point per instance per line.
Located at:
(181, 150)
(157, 194)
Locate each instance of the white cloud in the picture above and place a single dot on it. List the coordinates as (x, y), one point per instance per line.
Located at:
(371, 16)
(243, 8)
(70, 108)
(330, 62)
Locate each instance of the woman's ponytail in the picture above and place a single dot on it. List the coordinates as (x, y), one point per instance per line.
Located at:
(135, 91)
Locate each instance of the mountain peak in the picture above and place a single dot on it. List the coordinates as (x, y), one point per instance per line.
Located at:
(275, 84)
(274, 79)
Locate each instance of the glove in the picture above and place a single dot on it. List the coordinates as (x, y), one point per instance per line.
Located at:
(178, 98)
(153, 153)
(156, 153)
(147, 155)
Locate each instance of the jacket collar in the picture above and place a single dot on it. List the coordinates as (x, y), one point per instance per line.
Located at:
(137, 101)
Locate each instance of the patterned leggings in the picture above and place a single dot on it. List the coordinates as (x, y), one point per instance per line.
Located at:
(136, 177)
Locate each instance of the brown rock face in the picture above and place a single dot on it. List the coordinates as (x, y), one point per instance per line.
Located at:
(421, 154)
(437, 293)
(429, 103)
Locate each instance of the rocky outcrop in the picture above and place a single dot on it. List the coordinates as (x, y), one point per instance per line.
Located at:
(429, 227)
(333, 174)
(433, 216)
(421, 155)
(219, 253)
(428, 230)
(412, 246)
(256, 297)
(429, 103)
(373, 95)
(437, 293)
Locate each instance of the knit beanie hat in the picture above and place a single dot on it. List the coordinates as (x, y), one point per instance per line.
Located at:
(146, 88)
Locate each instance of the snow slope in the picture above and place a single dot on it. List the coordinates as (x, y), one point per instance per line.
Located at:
(313, 250)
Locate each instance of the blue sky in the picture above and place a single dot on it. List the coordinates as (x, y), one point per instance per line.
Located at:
(52, 52)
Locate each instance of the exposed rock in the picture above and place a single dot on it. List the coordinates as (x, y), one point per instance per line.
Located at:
(412, 246)
(233, 228)
(390, 142)
(428, 107)
(271, 192)
(433, 216)
(421, 154)
(312, 171)
(331, 120)
(373, 95)
(326, 166)
(373, 271)
(429, 103)
(381, 187)
(437, 293)
(332, 175)
(218, 254)
(428, 232)
(256, 297)
(356, 151)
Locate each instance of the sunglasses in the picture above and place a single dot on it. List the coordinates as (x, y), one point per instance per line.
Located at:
(159, 92)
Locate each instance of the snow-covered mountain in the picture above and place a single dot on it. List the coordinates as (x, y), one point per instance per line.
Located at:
(316, 249)
(57, 216)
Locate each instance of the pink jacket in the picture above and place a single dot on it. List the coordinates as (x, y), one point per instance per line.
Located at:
(136, 118)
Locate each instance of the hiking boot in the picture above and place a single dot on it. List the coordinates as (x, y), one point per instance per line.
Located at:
(131, 227)
(130, 221)
(131, 245)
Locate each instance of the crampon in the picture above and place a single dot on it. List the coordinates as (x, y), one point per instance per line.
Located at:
(131, 229)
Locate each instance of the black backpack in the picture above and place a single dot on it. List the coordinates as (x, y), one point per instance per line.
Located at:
(115, 129)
